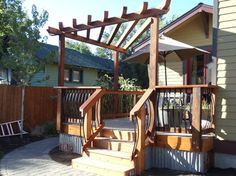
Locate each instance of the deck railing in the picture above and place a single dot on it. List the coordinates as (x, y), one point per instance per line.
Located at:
(185, 110)
(188, 109)
(68, 105)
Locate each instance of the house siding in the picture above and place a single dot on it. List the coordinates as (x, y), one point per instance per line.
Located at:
(226, 71)
(196, 37)
(51, 71)
(174, 73)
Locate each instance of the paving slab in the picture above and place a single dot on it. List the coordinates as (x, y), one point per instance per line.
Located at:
(33, 160)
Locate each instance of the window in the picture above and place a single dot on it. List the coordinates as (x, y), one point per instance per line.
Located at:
(67, 75)
(196, 70)
(77, 76)
(73, 75)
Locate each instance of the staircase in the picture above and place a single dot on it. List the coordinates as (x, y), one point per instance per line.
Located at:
(110, 153)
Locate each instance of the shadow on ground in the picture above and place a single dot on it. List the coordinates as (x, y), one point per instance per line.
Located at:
(65, 158)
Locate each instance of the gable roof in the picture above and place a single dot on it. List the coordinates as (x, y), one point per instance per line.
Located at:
(201, 7)
(75, 58)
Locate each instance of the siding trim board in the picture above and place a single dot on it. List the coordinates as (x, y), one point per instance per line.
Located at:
(226, 146)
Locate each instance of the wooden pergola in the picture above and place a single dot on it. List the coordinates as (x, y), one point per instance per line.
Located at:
(151, 16)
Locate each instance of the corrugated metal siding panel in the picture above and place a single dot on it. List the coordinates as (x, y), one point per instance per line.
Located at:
(174, 73)
(71, 143)
(179, 160)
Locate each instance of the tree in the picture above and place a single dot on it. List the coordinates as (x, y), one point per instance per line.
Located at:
(79, 46)
(20, 37)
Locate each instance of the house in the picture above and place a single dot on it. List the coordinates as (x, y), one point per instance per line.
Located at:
(80, 69)
(224, 43)
(212, 29)
(5, 76)
(194, 28)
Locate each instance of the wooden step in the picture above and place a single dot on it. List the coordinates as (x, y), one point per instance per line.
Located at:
(113, 144)
(127, 135)
(111, 156)
(102, 167)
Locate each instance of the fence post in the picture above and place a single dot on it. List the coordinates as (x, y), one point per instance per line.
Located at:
(141, 141)
(59, 104)
(196, 119)
(22, 110)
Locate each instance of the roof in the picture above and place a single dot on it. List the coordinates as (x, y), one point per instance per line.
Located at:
(75, 58)
(201, 7)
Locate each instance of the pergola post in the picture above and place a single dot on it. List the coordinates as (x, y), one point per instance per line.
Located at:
(153, 61)
(116, 69)
(61, 60)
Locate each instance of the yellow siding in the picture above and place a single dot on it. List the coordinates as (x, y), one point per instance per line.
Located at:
(192, 32)
(226, 71)
(182, 33)
(174, 73)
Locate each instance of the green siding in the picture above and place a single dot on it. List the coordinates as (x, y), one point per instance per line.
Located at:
(89, 77)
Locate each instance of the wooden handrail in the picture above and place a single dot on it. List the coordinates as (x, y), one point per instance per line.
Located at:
(141, 102)
(92, 137)
(186, 86)
(91, 101)
(119, 92)
(80, 87)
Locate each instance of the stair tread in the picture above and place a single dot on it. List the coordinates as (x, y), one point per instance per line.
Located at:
(102, 164)
(112, 139)
(114, 153)
(119, 128)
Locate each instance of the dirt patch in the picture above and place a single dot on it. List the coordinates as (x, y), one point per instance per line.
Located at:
(7, 144)
(62, 157)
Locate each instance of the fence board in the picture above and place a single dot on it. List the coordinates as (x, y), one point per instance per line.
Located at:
(39, 106)
(10, 99)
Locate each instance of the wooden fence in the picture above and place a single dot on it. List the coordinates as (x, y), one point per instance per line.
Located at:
(39, 105)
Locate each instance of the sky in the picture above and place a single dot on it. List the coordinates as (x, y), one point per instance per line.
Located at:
(65, 10)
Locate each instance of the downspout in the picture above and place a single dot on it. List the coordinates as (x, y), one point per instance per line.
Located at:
(215, 38)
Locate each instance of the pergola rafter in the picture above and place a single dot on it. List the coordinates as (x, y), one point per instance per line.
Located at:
(119, 46)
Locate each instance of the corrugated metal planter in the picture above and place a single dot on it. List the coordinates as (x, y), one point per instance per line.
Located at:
(179, 160)
(70, 143)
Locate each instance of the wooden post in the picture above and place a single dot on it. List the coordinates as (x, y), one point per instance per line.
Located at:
(22, 110)
(116, 69)
(116, 79)
(196, 119)
(88, 123)
(61, 60)
(139, 162)
(154, 54)
(59, 104)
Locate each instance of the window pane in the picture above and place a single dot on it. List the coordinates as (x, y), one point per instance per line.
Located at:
(198, 70)
(76, 76)
(67, 75)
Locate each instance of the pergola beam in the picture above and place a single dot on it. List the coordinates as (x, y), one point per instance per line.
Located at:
(113, 33)
(88, 30)
(102, 28)
(141, 30)
(125, 34)
(145, 13)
